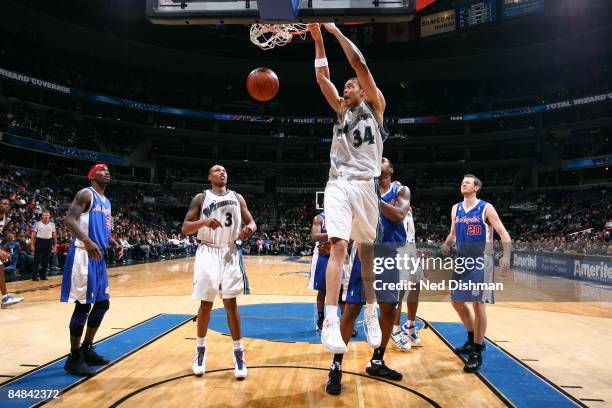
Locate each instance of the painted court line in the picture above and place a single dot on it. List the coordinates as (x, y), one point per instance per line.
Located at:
(519, 385)
(33, 388)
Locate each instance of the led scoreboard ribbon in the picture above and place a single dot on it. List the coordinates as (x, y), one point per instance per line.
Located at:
(476, 14)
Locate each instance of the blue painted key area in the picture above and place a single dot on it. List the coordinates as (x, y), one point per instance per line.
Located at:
(116, 347)
(288, 322)
(516, 382)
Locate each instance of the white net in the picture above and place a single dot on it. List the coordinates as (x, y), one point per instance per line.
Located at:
(268, 36)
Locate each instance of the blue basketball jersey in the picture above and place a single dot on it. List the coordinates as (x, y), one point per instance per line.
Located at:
(392, 232)
(97, 221)
(472, 232)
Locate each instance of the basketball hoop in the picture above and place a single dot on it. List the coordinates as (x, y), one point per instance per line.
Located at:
(268, 36)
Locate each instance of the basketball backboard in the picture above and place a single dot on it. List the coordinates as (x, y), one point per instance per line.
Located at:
(180, 12)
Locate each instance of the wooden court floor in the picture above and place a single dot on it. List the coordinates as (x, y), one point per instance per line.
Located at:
(568, 343)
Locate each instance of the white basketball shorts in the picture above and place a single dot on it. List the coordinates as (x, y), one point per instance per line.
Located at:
(218, 270)
(352, 209)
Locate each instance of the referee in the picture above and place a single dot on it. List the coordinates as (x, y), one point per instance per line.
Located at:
(44, 241)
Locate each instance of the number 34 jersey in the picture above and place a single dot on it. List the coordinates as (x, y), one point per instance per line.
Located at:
(357, 145)
(225, 208)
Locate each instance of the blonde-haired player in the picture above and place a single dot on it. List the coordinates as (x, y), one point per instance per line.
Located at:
(473, 222)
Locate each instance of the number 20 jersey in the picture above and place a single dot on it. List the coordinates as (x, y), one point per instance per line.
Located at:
(357, 144)
(472, 232)
(225, 208)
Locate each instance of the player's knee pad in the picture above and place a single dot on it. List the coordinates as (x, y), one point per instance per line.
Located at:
(79, 317)
(97, 313)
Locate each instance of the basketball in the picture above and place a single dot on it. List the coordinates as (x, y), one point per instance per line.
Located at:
(262, 84)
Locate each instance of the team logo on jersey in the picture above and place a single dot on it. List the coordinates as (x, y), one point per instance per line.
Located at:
(467, 220)
(99, 208)
(216, 205)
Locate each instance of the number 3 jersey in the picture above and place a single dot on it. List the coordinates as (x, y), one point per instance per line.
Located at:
(357, 144)
(225, 208)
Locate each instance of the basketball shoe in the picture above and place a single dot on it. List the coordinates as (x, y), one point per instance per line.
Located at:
(199, 361)
(91, 357)
(412, 335)
(331, 337)
(334, 378)
(10, 300)
(240, 368)
(76, 365)
(372, 329)
(378, 368)
(400, 339)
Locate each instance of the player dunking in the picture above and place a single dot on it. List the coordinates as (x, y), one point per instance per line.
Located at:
(217, 215)
(85, 280)
(351, 194)
(394, 205)
(471, 222)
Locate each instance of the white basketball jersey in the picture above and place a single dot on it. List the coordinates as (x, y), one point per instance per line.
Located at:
(3, 222)
(225, 208)
(323, 231)
(409, 226)
(357, 144)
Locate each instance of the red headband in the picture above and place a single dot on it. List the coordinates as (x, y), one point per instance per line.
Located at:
(95, 169)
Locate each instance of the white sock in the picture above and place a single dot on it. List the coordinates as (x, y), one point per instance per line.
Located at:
(331, 312)
(201, 341)
(395, 329)
(238, 344)
(411, 327)
(370, 308)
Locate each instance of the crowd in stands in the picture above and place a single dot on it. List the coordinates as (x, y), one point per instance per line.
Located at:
(582, 142)
(559, 221)
(61, 127)
(31, 192)
(568, 221)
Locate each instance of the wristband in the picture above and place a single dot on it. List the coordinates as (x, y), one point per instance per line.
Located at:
(321, 62)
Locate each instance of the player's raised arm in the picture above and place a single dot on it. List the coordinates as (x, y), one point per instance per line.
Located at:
(192, 221)
(322, 70)
(247, 219)
(315, 231)
(450, 239)
(79, 205)
(373, 95)
(397, 211)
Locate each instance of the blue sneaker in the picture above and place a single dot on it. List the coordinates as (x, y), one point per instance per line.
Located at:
(400, 340)
(199, 361)
(10, 300)
(412, 335)
(240, 368)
